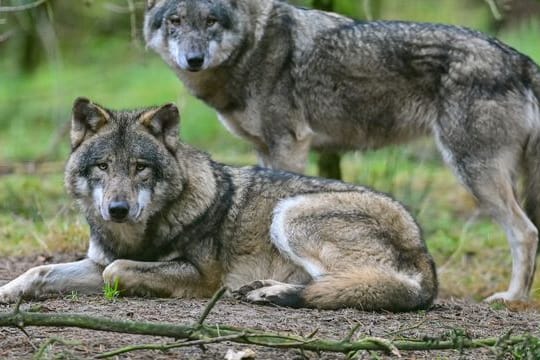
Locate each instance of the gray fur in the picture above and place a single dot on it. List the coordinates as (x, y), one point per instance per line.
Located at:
(288, 239)
(290, 80)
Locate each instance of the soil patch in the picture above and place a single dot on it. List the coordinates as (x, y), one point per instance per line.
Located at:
(446, 317)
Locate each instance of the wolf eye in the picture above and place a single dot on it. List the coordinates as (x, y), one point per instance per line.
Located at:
(140, 167)
(211, 21)
(103, 166)
(175, 20)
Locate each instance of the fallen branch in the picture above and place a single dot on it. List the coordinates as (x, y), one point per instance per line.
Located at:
(247, 336)
(200, 334)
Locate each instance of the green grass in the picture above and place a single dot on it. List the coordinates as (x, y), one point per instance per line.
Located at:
(36, 216)
(111, 292)
(33, 108)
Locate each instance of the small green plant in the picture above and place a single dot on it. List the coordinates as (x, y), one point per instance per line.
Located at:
(498, 305)
(111, 291)
(74, 296)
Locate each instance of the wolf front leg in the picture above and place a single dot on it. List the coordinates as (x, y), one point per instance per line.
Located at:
(287, 148)
(82, 276)
(159, 279)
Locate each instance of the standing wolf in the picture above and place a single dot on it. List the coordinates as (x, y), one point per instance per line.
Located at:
(290, 79)
(165, 220)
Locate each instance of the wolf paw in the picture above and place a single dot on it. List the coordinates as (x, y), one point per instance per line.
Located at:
(271, 292)
(242, 292)
(505, 296)
(8, 297)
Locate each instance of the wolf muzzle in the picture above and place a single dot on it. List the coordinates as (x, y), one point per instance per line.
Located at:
(195, 61)
(118, 210)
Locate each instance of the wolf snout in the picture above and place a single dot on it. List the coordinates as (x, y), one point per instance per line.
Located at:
(195, 61)
(118, 210)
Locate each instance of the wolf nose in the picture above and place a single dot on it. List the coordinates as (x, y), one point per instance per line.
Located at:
(118, 210)
(195, 61)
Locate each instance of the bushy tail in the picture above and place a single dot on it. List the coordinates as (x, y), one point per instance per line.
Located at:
(374, 288)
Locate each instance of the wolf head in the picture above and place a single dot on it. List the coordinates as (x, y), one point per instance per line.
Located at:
(194, 35)
(123, 166)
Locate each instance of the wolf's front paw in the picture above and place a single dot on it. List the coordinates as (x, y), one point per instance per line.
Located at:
(112, 272)
(120, 273)
(8, 295)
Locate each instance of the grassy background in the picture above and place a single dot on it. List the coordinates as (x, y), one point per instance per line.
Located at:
(37, 217)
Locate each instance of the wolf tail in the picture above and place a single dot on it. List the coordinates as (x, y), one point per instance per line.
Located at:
(375, 288)
(532, 153)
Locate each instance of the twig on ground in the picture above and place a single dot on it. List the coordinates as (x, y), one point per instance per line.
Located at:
(165, 347)
(51, 341)
(403, 329)
(218, 295)
(352, 332)
(20, 324)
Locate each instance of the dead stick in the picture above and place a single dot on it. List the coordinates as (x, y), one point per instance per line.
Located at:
(253, 337)
(218, 295)
(166, 347)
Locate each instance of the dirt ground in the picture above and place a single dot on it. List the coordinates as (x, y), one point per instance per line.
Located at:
(446, 316)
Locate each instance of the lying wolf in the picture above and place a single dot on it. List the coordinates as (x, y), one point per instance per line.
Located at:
(165, 220)
(290, 79)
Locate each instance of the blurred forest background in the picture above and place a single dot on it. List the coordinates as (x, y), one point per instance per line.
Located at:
(61, 49)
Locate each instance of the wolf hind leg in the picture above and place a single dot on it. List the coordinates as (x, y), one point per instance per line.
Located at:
(352, 244)
(499, 199)
(491, 182)
(484, 144)
(366, 288)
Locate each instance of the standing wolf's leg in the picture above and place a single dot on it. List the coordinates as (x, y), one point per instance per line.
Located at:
(485, 153)
(496, 195)
(288, 141)
(161, 279)
(290, 156)
(83, 276)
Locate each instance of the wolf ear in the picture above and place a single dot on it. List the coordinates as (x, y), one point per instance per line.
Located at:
(163, 123)
(87, 119)
(150, 4)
